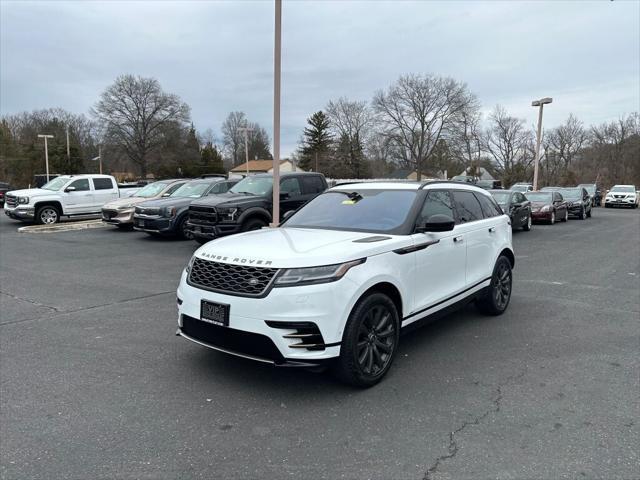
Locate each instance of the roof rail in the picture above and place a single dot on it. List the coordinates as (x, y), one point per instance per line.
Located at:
(435, 182)
(212, 175)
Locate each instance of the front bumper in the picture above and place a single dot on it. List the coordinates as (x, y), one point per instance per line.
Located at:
(576, 210)
(152, 223)
(20, 213)
(541, 216)
(117, 217)
(210, 232)
(265, 329)
(629, 202)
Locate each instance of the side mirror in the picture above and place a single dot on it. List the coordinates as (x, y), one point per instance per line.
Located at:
(284, 195)
(166, 194)
(287, 214)
(437, 223)
(70, 189)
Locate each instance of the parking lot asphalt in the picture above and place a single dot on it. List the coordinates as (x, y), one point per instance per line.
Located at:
(94, 384)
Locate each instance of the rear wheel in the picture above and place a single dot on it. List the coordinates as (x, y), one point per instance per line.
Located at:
(47, 215)
(496, 299)
(253, 224)
(369, 342)
(527, 226)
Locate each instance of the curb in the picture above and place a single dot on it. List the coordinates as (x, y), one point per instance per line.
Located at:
(62, 227)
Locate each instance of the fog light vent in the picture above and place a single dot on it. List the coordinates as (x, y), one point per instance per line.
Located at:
(307, 333)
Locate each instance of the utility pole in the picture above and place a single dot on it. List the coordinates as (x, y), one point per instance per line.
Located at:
(99, 157)
(46, 151)
(277, 64)
(538, 103)
(246, 131)
(68, 151)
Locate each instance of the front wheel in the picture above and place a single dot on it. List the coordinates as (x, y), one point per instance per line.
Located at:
(527, 225)
(589, 213)
(253, 224)
(583, 214)
(369, 342)
(47, 215)
(183, 231)
(566, 216)
(553, 218)
(496, 299)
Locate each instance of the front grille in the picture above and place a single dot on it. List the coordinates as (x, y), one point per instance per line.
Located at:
(238, 341)
(619, 196)
(203, 215)
(231, 279)
(148, 210)
(109, 214)
(11, 200)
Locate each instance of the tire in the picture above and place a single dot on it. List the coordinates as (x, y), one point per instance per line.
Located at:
(373, 326)
(589, 213)
(47, 215)
(125, 226)
(497, 297)
(566, 216)
(553, 218)
(253, 224)
(182, 231)
(583, 214)
(201, 240)
(606, 206)
(527, 226)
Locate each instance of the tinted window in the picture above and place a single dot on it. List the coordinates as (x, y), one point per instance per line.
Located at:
(102, 184)
(173, 188)
(217, 188)
(489, 207)
(437, 203)
(81, 185)
(313, 184)
(557, 197)
(467, 207)
(290, 186)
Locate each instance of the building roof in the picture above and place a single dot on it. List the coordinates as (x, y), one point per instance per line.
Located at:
(256, 166)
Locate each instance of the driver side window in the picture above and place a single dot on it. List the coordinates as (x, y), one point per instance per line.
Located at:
(81, 185)
(290, 186)
(438, 202)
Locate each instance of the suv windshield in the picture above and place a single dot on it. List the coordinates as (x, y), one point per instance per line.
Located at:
(191, 189)
(538, 197)
(151, 190)
(55, 184)
(378, 211)
(253, 185)
(501, 197)
(571, 193)
(616, 188)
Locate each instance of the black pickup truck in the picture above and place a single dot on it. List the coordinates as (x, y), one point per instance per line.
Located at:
(248, 204)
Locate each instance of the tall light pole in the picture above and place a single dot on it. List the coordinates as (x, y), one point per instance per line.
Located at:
(246, 131)
(68, 151)
(538, 103)
(46, 151)
(277, 48)
(99, 157)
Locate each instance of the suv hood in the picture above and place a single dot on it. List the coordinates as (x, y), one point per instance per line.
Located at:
(122, 202)
(297, 247)
(233, 199)
(167, 202)
(30, 192)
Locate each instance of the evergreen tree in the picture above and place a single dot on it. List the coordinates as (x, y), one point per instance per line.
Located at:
(211, 159)
(315, 143)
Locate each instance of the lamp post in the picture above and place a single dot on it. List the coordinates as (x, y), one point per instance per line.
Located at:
(277, 47)
(99, 157)
(46, 151)
(538, 103)
(246, 131)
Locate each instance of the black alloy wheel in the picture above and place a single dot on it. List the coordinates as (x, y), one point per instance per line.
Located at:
(369, 342)
(496, 298)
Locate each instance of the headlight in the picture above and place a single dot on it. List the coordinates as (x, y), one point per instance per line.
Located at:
(169, 212)
(576, 204)
(546, 208)
(314, 275)
(190, 264)
(23, 200)
(124, 207)
(228, 213)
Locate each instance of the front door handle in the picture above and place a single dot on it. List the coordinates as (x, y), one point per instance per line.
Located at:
(458, 239)
(492, 229)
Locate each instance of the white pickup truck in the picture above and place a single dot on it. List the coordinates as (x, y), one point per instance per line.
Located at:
(66, 195)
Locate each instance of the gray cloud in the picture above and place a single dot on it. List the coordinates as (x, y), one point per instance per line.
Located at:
(218, 56)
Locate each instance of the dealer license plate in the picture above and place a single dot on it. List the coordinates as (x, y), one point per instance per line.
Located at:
(216, 313)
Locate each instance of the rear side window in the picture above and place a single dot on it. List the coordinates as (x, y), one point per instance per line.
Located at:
(313, 184)
(437, 203)
(81, 185)
(489, 207)
(467, 207)
(102, 183)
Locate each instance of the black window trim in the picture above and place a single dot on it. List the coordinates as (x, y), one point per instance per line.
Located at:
(457, 219)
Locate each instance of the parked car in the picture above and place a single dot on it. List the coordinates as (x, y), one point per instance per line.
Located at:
(248, 205)
(168, 216)
(547, 207)
(522, 187)
(594, 192)
(65, 195)
(621, 196)
(464, 179)
(551, 188)
(489, 184)
(578, 202)
(516, 205)
(120, 212)
(4, 188)
(337, 282)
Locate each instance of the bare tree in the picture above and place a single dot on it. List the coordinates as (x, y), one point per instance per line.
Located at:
(350, 124)
(510, 145)
(465, 136)
(233, 137)
(135, 112)
(416, 111)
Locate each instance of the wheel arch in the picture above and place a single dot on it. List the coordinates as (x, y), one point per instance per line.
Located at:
(255, 212)
(49, 203)
(388, 289)
(507, 252)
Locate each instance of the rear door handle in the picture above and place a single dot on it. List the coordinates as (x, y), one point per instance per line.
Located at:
(458, 239)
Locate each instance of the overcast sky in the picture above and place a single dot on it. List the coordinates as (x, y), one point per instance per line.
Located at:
(218, 56)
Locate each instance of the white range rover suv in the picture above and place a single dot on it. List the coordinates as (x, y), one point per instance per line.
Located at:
(339, 279)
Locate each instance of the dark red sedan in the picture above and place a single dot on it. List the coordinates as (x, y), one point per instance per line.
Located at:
(547, 207)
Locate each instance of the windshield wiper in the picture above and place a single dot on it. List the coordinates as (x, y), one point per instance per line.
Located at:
(247, 193)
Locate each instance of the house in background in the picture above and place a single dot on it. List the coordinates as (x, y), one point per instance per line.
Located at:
(261, 166)
(480, 172)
